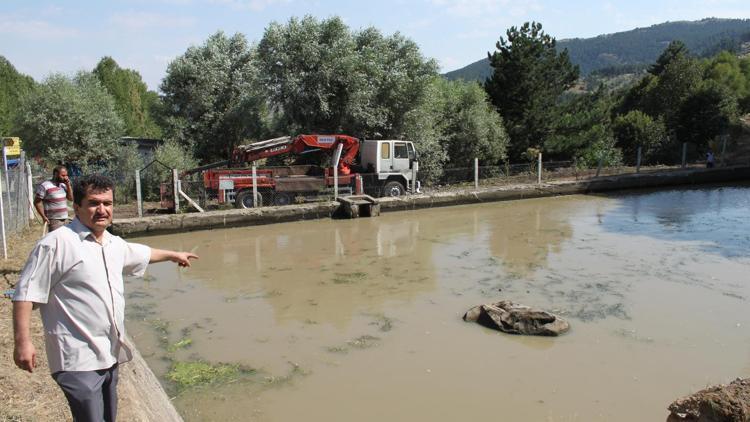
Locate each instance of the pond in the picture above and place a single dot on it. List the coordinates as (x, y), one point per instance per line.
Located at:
(361, 319)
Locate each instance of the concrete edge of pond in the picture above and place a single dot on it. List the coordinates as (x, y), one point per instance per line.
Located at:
(145, 399)
(175, 223)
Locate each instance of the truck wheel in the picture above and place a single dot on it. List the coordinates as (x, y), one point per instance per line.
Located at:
(244, 199)
(393, 189)
(282, 198)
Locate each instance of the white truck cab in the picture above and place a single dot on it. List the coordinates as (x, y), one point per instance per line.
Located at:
(393, 163)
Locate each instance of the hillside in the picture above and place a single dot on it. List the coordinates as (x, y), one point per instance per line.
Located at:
(640, 46)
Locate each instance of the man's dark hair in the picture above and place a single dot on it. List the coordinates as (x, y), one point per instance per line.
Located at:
(95, 182)
(56, 170)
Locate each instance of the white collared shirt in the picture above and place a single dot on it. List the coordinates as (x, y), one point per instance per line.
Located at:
(77, 283)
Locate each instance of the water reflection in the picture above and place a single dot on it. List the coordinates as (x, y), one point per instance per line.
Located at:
(327, 274)
(709, 215)
(525, 235)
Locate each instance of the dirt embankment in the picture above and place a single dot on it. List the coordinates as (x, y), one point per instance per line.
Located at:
(24, 396)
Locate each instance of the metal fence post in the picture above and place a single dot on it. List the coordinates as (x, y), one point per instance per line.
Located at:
(30, 191)
(539, 170)
(176, 191)
(255, 187)
(7, 181)
(684, 154)
(414, 169)
(723, 149)
(2, 219)
(335, 182)
(638, 161)
(476, 173)
(599, 166)
(138, 197)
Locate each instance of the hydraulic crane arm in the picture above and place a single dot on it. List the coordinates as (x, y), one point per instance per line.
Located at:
(300, 144)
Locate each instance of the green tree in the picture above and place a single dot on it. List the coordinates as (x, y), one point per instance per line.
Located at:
(573, 120)
(454, 124)
(529, 75)
(637, 129)
(705, 114)
(676, 50)
(321, 76)
(133, 101)
(13, 87)
(211, 98)
(676, 76)
(70, 121)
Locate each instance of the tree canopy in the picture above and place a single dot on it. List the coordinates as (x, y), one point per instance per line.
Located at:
(529, 77)
(13, 87)
(133, 102)
(321, 76)
(70, 120)
(211, 97)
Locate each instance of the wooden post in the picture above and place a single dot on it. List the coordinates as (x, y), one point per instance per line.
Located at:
(476, 173)
(638, 161)
(176, 191)
(138, 193)
(539, 170)
(723, 149)
(684, 154)
(255, 187)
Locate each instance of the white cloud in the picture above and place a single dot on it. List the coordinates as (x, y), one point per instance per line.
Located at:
(254, 5)
(35, 29)
(142, 20)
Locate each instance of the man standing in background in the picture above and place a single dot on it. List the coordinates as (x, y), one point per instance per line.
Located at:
(51, 198)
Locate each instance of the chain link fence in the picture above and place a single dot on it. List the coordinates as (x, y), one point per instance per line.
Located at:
(209, 195)
(17, 201)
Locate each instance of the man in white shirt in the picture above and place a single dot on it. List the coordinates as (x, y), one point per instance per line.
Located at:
(75, 276)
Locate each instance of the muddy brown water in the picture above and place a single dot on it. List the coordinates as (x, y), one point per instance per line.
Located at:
(361, 319)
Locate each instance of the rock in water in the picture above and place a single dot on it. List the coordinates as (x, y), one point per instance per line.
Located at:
(722, 403)
(512, 318)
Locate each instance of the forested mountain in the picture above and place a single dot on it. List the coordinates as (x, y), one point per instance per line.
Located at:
(640, 46)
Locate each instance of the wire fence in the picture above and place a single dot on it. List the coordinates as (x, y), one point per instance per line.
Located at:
(278, 186)
(17, 201)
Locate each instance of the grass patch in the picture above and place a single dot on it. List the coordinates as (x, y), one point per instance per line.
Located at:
(364, 342)
(338, 349)
(194, 374)
(277, 381)
(349, 278)
(182, 344)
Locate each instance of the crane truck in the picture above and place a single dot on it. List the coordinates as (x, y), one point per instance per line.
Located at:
(374, 167)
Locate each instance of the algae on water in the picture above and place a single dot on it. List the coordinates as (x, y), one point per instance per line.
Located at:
(193, 374)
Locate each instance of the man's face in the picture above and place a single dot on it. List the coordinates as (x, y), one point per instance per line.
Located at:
(95, 211)
(61, 176)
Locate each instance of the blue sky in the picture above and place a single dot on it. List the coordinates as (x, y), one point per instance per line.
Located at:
(40, 37)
